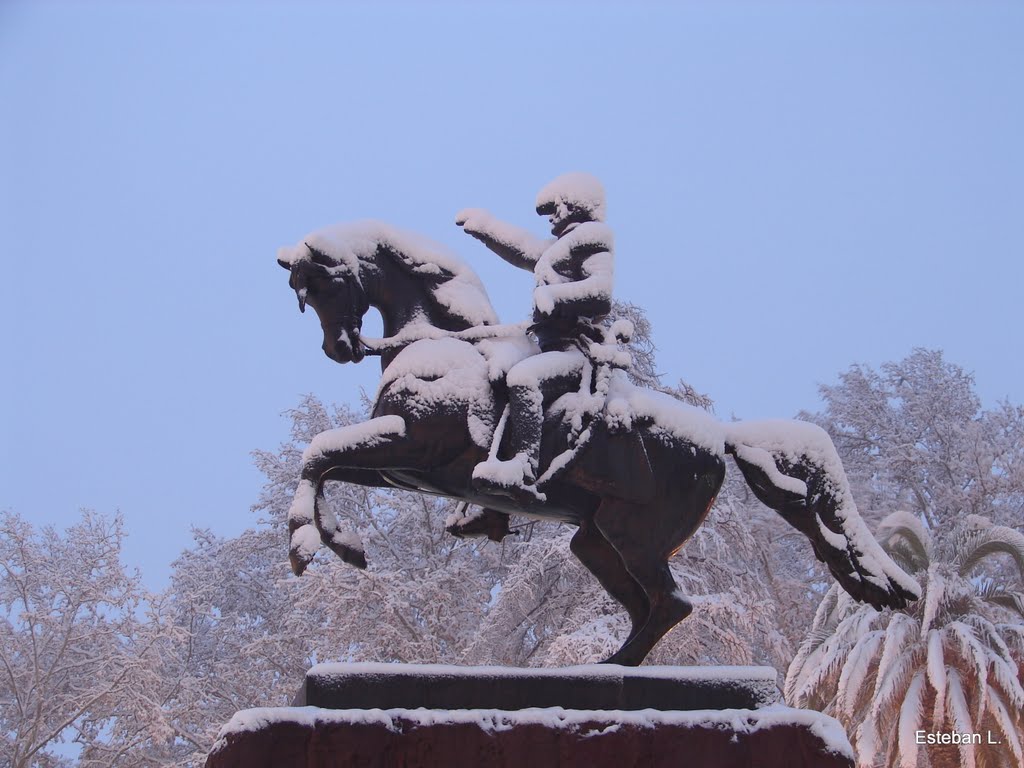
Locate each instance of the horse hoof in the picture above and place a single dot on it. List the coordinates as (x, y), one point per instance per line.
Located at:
(616, 658)
(351, 555)
(679, 608)
(305, 541)
(355, 557)
(298, 563)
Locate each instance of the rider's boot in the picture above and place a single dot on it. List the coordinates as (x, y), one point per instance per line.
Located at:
(515, 477)
(483, 522)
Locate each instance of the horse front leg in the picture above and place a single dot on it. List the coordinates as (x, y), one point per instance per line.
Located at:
(307, 533)
(352, 454)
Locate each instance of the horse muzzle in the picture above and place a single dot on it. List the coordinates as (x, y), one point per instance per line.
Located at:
(343, 347)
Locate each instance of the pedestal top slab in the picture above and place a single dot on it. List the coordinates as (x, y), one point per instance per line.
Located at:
(589, 687)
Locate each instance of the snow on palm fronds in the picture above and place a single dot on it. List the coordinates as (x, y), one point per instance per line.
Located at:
(950, 662)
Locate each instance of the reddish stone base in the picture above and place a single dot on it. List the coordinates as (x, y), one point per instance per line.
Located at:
(308, 737)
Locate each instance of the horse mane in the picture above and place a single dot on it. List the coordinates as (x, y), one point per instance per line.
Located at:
(452, 285)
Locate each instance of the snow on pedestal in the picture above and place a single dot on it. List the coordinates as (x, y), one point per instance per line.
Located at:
(766, 734)
(774, 737)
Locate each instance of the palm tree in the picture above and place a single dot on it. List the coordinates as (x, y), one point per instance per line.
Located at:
(948, 663)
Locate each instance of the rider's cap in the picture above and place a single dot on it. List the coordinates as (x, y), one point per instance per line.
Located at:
(578, 191)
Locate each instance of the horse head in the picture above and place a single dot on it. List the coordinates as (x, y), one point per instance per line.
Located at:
(342, 271)
(333, 289)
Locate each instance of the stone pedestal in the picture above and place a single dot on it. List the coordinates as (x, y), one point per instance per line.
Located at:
(592, 686)
(405, 715)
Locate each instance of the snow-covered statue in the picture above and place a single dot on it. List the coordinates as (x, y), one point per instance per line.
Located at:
(547, 424)
(574, 274)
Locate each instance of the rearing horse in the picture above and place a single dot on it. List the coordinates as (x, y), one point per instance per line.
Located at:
(646, 469)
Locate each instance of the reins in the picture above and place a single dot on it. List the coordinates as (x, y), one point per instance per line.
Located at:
(477, 333)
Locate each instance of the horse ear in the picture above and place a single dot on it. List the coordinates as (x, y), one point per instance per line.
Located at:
(319, 257)
(286, 256)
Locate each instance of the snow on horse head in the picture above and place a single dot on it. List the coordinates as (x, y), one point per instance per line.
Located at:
(638, 485)
(341, 271)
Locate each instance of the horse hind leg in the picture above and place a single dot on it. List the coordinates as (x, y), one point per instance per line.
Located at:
(645, 555)
(602, 559)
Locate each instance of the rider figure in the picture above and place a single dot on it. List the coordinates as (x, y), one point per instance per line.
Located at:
(573, 294)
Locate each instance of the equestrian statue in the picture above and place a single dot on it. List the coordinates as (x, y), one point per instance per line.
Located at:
(540, 419)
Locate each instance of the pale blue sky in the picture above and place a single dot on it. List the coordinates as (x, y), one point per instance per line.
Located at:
(794, 187)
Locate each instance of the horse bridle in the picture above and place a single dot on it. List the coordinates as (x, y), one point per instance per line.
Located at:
(355, 302)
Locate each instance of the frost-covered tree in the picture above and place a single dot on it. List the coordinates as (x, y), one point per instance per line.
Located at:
(644, 368)
(913, 435)
(248, 629)
(228, 602)
(950, 662)
(80, 646)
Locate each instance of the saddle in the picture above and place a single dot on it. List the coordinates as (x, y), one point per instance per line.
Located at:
(621, 467)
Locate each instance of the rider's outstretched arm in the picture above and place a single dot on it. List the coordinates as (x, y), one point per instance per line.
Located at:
(515, 245)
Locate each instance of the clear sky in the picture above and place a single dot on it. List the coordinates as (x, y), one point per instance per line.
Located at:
(794, 187)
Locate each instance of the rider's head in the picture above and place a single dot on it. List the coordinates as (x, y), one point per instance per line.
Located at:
(571, 199)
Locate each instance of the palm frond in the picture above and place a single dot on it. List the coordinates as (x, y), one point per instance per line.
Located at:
(808, 648)
(961, 716)
(905, 556)
(845, 604)
(1005, 675)
(933, 598)
(979, 544)
(998, 595)
(824, 659)
(1009, 724)
(906, 529)
(1013, 635)
(826, 608)
(911, 713)
(992, 636)
(891, 686)
(971, 651)
(900, 629)
(868, 742)
(829, 659)
(936, 668)
(855, 671)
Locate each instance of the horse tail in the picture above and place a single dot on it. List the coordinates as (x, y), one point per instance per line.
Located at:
(793, 467)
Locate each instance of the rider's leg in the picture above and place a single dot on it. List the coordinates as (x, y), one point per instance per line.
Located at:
(532, 384)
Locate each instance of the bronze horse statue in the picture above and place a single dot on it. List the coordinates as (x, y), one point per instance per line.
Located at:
(643, 469)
